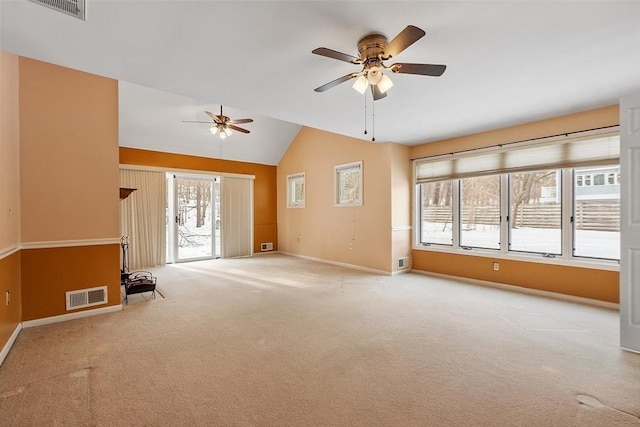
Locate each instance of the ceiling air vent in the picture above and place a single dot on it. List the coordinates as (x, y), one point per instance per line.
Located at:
(86, 297)
(70, 7)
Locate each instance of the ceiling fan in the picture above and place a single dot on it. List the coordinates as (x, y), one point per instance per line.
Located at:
(222, 124)
(374, 50)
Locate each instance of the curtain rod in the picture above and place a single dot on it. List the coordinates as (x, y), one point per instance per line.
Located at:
(513, 142)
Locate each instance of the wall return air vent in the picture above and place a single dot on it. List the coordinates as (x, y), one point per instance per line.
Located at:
(70, 7)
(86, 297)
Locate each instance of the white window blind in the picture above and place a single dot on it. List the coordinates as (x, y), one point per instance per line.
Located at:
(576, 150)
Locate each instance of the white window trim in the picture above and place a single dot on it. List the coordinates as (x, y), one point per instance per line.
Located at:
(336, 182)
(567, 258)
(291, 179)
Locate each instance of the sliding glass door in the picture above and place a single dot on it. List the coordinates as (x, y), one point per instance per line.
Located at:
(195, 219)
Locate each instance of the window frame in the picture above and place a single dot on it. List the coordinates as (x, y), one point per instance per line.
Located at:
(292, 181)
(338, 190)
(567, 257)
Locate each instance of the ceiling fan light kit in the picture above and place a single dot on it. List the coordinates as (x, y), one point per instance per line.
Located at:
(374, 50)
(222, 125)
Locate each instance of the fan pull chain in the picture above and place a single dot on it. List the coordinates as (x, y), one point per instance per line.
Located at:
(373, 121)
(365, 114)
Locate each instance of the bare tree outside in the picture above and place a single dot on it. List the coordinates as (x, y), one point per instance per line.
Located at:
(536, 204)
(194, 215)
(437, 212)
(480, 209)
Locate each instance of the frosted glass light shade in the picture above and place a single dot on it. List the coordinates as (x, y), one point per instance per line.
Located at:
(361, 84)
(385, 84)
(213, 130)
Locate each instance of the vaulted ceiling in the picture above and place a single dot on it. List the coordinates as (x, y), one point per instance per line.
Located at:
(508, 62)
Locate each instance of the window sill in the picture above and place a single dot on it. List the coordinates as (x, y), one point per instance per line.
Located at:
(535, 258)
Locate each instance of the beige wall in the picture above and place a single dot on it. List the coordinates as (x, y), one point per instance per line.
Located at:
(359, 235)
(401, 175)
(69, 185)
(69, 154)
(10, 314)
(582, 282)
(9, 153)
(586, 120)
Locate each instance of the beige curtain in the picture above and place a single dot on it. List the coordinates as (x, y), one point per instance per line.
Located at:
(236, 217)
(143, 217)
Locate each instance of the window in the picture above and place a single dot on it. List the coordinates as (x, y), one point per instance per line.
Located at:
(598, 179)
(596, 219)
(480, 212)
(535, 221)
(295, 190)
(348, 184)
(556, 198)
(436, 213)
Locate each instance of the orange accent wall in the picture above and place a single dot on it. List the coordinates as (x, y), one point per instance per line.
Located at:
(48, 273)
(265, 192)
(582, 282)
(11, 314)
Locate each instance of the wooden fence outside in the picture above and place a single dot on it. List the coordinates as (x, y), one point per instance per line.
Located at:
(588, 216)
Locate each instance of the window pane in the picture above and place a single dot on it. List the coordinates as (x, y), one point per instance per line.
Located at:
(480, 209)
(597, 218)
(536, 212)
(437, 213)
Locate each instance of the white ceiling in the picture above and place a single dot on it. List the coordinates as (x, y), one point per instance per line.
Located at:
(508, 62)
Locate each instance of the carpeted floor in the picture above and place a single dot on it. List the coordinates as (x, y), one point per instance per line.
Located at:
(279, 341)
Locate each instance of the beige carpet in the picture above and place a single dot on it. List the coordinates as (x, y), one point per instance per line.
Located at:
(278, 341)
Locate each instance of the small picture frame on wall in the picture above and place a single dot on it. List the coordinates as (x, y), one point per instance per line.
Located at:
(348, 184)
(295, 190)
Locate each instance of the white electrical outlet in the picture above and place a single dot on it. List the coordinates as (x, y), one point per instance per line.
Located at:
(496, 266)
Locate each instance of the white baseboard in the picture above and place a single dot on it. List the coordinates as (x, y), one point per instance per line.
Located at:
(71, 316)
(523, 290)
(9, 344)
(403, 271)
(339, 264)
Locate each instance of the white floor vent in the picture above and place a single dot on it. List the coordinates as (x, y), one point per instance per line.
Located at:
(70, 7)
(403, 263)
(86, 297)
(266, 246)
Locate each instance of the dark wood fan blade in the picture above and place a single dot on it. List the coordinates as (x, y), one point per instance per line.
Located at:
(421, 69)
(195, 121)
(376, 93)
(329, 53)
(240, 121)
(335, 82)
(406, 38)
(237, 128)
(214, 117)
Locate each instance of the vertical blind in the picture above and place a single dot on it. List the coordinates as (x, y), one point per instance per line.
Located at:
(236, 217)
(143, 217)
(576, 150)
